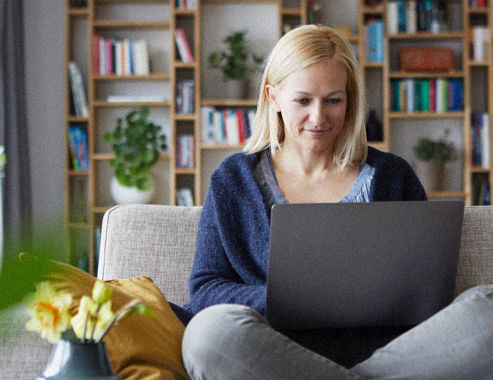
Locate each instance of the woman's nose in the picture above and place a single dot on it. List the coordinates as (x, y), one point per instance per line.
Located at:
(317, 113)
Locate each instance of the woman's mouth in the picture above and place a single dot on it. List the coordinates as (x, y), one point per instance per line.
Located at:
(316, 133)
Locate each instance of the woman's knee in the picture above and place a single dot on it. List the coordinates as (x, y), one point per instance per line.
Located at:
(477, 292)
(215, 331)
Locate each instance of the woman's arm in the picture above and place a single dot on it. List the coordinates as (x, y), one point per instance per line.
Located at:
(232, 245)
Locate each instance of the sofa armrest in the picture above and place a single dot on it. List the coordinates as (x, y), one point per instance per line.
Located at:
(476, 251)
(152, 240)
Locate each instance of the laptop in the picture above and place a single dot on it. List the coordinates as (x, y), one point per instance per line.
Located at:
(339, 265)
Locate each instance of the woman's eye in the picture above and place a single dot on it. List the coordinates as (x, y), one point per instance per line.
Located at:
(334, 100)
(302, 101)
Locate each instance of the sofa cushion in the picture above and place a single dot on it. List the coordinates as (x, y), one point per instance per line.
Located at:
(139, 347)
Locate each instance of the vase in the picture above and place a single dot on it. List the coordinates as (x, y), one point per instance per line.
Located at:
(431, 174)
(124, 194)
(237, 89)
(79, 361)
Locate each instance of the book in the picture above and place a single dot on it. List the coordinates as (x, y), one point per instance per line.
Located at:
(182, 45)
(120, 56)
(78, 92)
(228, 126)
(185, 151)
(411, 21)
(184, 197)
(185, 97)
(392, 17)
(78, 148)
(140, 57)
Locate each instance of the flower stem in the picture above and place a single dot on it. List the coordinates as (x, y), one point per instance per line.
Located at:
(83, 339)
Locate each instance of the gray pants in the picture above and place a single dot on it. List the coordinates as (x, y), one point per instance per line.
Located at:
(235, 342)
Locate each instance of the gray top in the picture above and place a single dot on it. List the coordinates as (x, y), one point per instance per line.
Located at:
(265, 175)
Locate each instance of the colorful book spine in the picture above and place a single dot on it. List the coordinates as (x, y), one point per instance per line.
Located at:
(78, 92)
(183, 46)
(230, 126)
(427, 95)
(119, 56)
(78, 148)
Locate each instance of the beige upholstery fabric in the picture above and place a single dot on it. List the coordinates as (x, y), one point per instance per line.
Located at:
(159, 242)
(152, 240)
(476, 254)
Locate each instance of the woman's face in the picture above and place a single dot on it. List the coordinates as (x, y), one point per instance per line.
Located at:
(312, 102)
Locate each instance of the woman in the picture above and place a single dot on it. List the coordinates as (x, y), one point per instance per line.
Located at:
(308, 145)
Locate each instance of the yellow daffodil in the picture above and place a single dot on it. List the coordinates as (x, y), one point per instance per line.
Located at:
(101, 292)
(49, 312)
(92, 318)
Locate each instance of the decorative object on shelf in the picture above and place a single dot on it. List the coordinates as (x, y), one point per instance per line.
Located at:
(426, 59)
(432, 156)
(235, 64)
(373, 127)
(79, 351)
(136, 146)
(125, 194)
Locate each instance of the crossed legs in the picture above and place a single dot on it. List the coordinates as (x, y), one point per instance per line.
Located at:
(235, 342)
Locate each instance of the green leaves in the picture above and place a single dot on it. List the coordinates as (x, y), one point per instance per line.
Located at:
(235, 61)
(136, 143)
(430, 150)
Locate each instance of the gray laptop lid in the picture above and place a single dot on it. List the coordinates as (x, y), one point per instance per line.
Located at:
(361, 264)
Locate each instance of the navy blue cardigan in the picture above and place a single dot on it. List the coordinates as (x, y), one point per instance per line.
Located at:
(231, 257)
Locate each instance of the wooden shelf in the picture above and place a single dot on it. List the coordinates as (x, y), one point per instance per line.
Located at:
(424, 115)
(446, 194)
(229, 102)
(221, 147)
(150, 77)
(427, 74)
(427, 36)
(109, 24)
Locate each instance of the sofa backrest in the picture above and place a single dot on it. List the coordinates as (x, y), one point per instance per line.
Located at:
(159, 241)
(153, 240)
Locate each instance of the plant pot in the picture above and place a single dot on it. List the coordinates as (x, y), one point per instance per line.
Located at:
(124, 194)
(237, 89)
(431, 174)
(79, 361)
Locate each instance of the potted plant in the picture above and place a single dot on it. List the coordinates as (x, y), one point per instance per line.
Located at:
(432, 156)
(136, 143)
(235, 63)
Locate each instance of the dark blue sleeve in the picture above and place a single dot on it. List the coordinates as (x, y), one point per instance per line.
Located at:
(213, 278)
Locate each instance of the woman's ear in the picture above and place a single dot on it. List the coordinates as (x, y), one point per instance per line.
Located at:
(272, 97)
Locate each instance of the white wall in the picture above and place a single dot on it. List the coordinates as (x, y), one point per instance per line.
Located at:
(44, 41)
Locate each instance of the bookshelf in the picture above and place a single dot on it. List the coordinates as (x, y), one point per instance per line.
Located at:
(87, 194)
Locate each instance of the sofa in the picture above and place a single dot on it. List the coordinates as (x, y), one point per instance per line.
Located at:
(159, 241)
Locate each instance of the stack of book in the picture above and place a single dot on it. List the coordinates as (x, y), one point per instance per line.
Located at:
(78, 148)
(412, 16)
(185, 93)
(226, 126)
(119, 57)
(186, 4)
(481, 142)
(428, 95)
(185, 152)
(184, 197)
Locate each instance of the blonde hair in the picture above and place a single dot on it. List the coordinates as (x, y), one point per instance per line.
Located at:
(297, 49)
